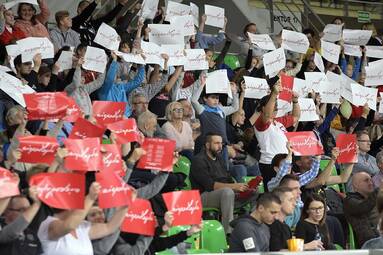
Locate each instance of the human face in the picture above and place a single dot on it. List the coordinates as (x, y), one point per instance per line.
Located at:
(212, 100)
(295, 187)
(209, 55)
(18, 117)
(178, 112)
(82, 6)
(96, 215)
(240, 117)
(364, 184)
(215, 145)
(26, 12)
(140, 105)
(9, 18)
(316, 211)
(269, 214)
(364, 143)
(66, 22)
(289, 202)
(289, 65)
(17, 206)
(188, 111)
(252, 29)
(25, 68)
(44, 79)
(349, 70)
(304, 163)
(362, 78)
(125, 48)
(337, 22)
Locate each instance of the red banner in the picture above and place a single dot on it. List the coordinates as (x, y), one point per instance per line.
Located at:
(73, 111)
(60, 190)
(126, 131)
(159, 154)
(83, 154)
(140, 218)
(114, 191)
(37, 149)
(86, 129)
(186, 206)
(112, 159)
(287, 83)
(46, 105)
(9, 183)
(106, 112)
(305, 143)
(348, 148)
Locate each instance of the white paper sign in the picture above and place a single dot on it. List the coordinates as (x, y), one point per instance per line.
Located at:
(381, 102)
(263, 41)
(274, 61)
(256, 87)
(9, 5)
(308, 110)
(95, 59)
(195, 60)
(356, 37)
(175, 53)
(13, 50)
(352, 50)
(302, 87)
(346, 91)
(374, 75)
(107, 36)
(65, 60)
(362, 95)
(374, 51)
(195, 12)
(283, 107)
(215, 16)
(14, 88)
(332, 33)
(330, 92)
(131, 58)
(5, 69)
(318, 61)
(217, 82)
(294, 41)
(314, 79)
(184, 23)
(152, 53)
(330, 51)
(176, 9)
(149, 9)
(165, 34)
(377, 62)
(33, 45)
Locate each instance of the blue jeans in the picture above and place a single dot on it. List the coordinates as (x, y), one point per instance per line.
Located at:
(238, 171)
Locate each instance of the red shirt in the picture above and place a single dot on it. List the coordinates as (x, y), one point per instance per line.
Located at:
(8, 37)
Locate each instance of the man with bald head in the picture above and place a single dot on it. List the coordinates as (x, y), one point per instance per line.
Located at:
(360, 208)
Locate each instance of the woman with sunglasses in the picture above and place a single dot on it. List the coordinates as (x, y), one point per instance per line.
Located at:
(312, 226)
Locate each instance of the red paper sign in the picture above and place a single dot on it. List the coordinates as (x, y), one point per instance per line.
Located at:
(140, 218)
(60, 190)
(83, 154)
(9, 184)
(37, 149)
(159, 154)
(305, 143)
(287, 83)
(185, 205)
(85, 129)
(114, 191)
(112, 159)
(46, 105)
(126, 131)
(73, 111)
(348, 148)
(106, 112)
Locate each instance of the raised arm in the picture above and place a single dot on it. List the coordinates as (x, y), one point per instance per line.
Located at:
(196, 95)
(44, 14)
(228, 110)
(343, 177)
(326, 173)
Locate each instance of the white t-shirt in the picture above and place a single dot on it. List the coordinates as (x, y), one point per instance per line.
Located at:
(67, 244)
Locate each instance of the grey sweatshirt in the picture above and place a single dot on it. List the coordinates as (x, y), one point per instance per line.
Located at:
(68, 38)
(11, 231)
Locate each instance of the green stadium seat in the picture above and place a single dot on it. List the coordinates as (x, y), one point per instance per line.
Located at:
(213, 237)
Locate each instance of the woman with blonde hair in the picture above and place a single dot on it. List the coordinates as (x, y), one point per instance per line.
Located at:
(177, 129)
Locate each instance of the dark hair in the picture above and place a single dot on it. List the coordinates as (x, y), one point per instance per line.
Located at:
(60, 15)
(247, 28)
(266, 199)
(33, 20)
(81, 3)
(360, 133)
(308, 201)
(209, 136)
(262, 103)
(57, 55)
(17, 61)
(340, 18)
(277, 159)
(309, 31)
(280, 191)
(287, 178)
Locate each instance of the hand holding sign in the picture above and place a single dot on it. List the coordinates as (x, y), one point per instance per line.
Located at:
(140, 218)
(9, 183)
(347, 148)
(305, 143)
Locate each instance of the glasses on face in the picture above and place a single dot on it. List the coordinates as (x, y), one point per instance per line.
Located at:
(317, 209)
(178, 110)
(141, 103)
(364, 141)
(214, 97)
(20, 210)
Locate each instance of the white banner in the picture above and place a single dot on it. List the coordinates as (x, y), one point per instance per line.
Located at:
(330, 51)
(149, 9)
(176, 9)
(274, 61)
(152, 53)
(184, 23)
(362, 95)
(195, 60)
(217, 82)
(5, 69)
(319, 62)
(165, 34)
(9, 5)
(215, 16)
(107, 37)
(195, 12)
(33, 45)
(330, 92)
(302, 87)
(294, 41)
(314, 79)
(14, 88)
(65, 60)
(308, 110)
(263, 41)
(346, 91)
(131, 58)
(374, 75)
(283, 108)
(332, 33)
(356, 37)
(95, 59)
(352, 50)
(256, 87)
(175, 53)
(374, 51)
